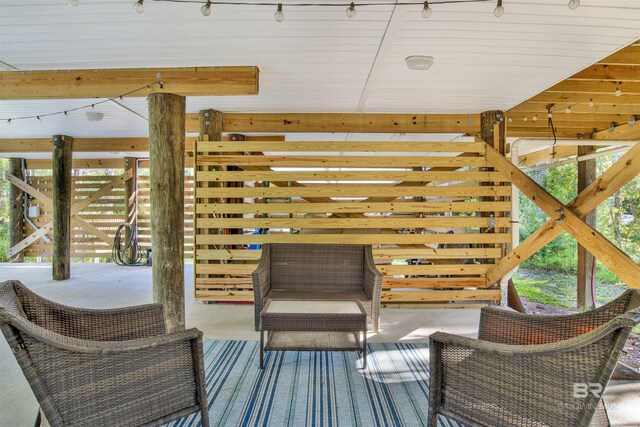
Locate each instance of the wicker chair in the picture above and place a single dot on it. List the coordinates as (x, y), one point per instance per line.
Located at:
(114, 367)
(326, 272)
(530, 370)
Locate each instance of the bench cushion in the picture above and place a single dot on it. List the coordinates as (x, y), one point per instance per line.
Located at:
(324, 295)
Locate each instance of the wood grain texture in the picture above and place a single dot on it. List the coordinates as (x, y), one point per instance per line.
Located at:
(16, 210)
(586, 261)
(61, 160)
(202, 81)
(166, 154)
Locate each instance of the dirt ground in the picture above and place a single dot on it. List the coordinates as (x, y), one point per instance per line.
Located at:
(630, 354)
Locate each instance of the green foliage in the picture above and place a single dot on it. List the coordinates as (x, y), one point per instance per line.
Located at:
(4, 211)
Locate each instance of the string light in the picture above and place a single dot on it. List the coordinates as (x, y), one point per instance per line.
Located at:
(279, 15)
(351, 6)
(574, 4)
(351, 10)
(72, 2)
(618, 92)
(591, 104)
(206, 9)
(568, 110)
(535, 118)
(499, 10)
(525, 119)
(83, 107)
(426, 10)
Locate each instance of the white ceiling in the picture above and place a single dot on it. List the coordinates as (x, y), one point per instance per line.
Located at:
(317, 59)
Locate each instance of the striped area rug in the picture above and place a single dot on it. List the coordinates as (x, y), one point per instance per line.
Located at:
(316, 388)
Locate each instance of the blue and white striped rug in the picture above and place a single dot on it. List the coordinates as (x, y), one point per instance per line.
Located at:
(316, 388)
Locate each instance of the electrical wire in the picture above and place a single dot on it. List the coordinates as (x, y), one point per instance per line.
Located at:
(346, 4)
(127, 253)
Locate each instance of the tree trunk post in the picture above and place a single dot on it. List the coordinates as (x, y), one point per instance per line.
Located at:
(62, 165)
(16, 210)
(131, 200)
(586, 261)
(166, 154)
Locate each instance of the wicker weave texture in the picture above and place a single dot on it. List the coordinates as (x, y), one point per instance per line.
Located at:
(103, 367)
(310, 271)
(528, 378)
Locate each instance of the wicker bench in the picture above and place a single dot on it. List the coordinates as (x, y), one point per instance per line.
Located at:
(318, 272)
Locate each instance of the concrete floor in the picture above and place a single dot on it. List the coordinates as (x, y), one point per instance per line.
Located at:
(108, 285)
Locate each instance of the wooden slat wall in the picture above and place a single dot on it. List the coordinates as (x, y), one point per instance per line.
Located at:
(144, 210)
(107, 213)
(424, 205)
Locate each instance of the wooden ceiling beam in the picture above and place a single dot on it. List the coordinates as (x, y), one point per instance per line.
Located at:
(595, 87)
(622, 131)
(630, 55)
(574, 98)
(544, 133)
(193, 81)
(618, 73)
(577, 110)
(345, 123)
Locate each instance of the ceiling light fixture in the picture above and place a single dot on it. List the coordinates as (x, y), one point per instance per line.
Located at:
(351, 10)
(574, 4)
(206, 8)
(499, 10)
(426, 10)
(279, 15)
(419, 62)
(93, 116)
(139, 6)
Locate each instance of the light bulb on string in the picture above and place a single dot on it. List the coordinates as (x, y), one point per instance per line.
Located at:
(568, 110)
(525, 119)
(351, 10)
(618, 92)
(574, 4)
(535, 118)
(206, 8)
(139, 6)
(499, 10)
(72, 2)
(426, 10)
(8, 121)
(591, 104)
(279, 15)
(510, 119)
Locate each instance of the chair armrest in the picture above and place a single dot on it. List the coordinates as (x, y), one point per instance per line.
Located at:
(116, 324)
(372, 277)
(261, 276)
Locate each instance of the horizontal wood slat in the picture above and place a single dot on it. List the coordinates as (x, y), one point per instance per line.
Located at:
(341, 161)
(420, 176)
(341, 146)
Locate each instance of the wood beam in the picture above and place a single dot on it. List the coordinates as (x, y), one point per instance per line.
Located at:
(194, 81)
(131, 201)
(595, 87)
(16, 210)
(345, 122)
(630, 55)
(166, 153)
(610, 72)
(61, 257)
(622, 131)
(586, 261)
(616, 260)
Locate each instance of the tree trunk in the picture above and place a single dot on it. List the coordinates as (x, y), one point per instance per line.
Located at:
(166, 154)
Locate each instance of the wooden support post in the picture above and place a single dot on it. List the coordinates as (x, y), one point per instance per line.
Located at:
(586, 261)
(62, 158)
(16, 210)
(131, 199)
(166, 156)
(493, 132)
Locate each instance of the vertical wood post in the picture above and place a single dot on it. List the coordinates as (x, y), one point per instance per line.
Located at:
(131, 199)
(493, 132)
(210, 124)
(166, 155)
(16, 210)
(586, 261)
(62, 165)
